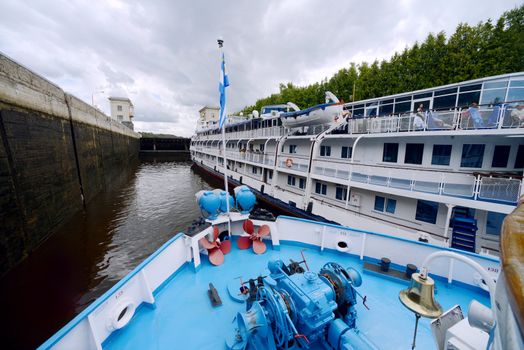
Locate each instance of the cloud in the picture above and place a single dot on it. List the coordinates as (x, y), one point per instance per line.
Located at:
(163, 54)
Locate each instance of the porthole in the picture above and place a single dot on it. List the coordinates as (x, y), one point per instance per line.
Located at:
(342, 245)
(121, 314)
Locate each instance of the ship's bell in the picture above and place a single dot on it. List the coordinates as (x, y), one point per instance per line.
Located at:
(420, 296)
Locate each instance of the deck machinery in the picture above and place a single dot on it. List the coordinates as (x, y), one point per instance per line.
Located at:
(297, 309)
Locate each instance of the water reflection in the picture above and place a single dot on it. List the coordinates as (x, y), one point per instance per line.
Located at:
(98, 247)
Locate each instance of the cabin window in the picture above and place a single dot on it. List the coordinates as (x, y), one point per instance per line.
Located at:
(493, 96)
(441, 155)
(466, 99)
(500, 156)
(341, 193)
(516, 90)
(385, 109)
(261, 148)
(320, 188)
(302, 183)
(379, 203)
(444, 102)
(119, 108)
(519, 161)
(426, 211)
(472, 156)
(358, 113)
(390, 152)
(391, 205)
(292, 148)
(473, 87)
(494, 223)
(270, 174)
(254, 170)
(346, 152)
(446, 91)
(325, 151)
(291, 180)
(402, 107)
(414, 153)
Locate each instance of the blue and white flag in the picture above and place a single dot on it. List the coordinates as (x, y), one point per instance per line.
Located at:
(222, 85)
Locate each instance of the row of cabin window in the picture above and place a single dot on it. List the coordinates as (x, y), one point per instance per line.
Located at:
(427, 211)
(345, 151)
(292, 181)
(341, 192)
(472, 155)
(387, 204)
(493, 92)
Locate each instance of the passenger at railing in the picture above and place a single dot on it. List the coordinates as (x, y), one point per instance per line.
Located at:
(419, 121)
(493, 119)
(434, 122)
(517, 116)
(475, 116)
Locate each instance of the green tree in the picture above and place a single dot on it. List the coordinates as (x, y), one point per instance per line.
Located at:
(470, 52)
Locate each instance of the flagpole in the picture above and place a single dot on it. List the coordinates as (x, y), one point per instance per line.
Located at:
(223, 113)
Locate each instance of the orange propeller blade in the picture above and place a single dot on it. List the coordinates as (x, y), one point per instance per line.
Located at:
(216, 257)
(243, 242)
(225, 246)
(206, 244)
(259, 247)
(215, 232)
(248, 227)
(263, 231)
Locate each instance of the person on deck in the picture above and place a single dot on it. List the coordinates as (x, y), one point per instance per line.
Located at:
(419, 121)
(475, 116)
(517, 116)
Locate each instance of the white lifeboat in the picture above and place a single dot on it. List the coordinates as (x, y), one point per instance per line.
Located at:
(325, 113)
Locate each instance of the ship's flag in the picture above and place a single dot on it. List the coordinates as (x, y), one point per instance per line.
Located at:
(223, 84)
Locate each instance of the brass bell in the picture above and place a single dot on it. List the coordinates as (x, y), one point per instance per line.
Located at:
(420, 296)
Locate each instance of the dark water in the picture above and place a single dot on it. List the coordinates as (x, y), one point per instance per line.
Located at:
(95, 249)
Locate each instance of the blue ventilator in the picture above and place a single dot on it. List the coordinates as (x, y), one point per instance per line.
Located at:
(245, 199)
(209, 203)
(292, 310)
(223, 201)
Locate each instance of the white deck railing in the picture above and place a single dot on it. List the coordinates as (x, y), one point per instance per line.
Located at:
(477, 187)
(489, 117)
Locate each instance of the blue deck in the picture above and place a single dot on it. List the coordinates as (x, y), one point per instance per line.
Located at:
(185, 319)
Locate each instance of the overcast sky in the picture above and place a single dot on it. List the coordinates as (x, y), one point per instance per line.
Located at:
(163, 54)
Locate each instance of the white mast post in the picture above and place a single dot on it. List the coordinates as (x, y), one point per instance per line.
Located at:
(221, 49)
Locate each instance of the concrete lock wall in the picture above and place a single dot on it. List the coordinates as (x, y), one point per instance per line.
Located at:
(56, 154)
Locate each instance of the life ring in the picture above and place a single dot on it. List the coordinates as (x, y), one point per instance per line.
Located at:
(289, 162)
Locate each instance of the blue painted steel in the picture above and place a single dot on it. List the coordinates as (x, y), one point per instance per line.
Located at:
(209, 203)
(223, 205)
(185, 318)
(299, 309)
(245, 199)
(92, 307)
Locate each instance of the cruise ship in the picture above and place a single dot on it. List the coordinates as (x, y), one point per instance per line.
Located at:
(442, 165)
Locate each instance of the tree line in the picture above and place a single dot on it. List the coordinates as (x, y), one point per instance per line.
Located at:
(471, 52)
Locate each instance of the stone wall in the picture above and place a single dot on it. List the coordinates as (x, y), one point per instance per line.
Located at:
(56, 154)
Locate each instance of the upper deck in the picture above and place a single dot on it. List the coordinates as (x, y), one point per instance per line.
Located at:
(446, 110)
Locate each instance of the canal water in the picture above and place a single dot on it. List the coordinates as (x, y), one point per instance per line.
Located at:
(98, 247)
